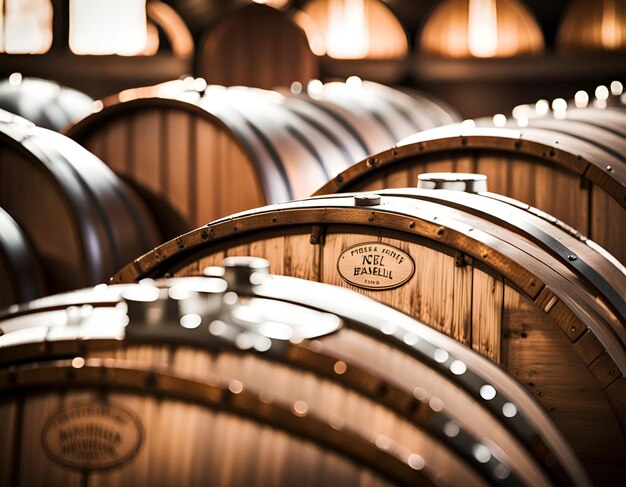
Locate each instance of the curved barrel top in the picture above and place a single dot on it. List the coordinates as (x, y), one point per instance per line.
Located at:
(21, 262)
(108, 221)
(45, 103)
(527, 247)
(297, 310)
(300, 151)
(564, 151)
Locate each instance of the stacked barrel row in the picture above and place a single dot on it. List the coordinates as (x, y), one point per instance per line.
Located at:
(204, 153)
(527, 388)
(518, 285)
(253, 379)
(572, 166)
(186, 155)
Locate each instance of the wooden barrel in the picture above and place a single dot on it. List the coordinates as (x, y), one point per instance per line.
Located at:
(499, 276)
(222, 150)
(43, 102)
(258, 380)
(81, 220)
(377, 115)
(21, 278)
(573, 169)
(256, 46)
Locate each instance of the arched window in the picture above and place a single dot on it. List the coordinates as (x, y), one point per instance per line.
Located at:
(98, 27)
(25, 26)
(162, 17)
(108, 27)
(481, 28)
(353, 29)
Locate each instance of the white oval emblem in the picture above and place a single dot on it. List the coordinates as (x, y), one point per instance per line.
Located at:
(92, 436)
(375, 265)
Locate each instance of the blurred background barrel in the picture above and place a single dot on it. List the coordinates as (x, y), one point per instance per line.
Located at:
(203, 152)
(380, 115)
(20, 271)
(501, 277)
(275, 380)
(43, 102)
(574, 169)
(81, 220)
(256, 46)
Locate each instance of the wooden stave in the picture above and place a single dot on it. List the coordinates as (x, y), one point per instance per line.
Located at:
(154, 101)
(315, 359)
(343, 134)
(574, 158)
(270, 221)
(19, 264)
(611, 119)
(180, 393)
(66, 106)
(368, 129)
(607, 136)
(425, 112)
(501, 139)
(375, 106)
(608, 141)
(87, 224)
(540, 231)
(397, 123)
(101, 211)
(610, 116)
(108, 195)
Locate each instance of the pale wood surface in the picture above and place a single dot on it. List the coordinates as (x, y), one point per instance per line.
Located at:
(457, 403)
(82, 221)
(475, 308)
(567, 196)
(487, 301)
(21, 276)
(540, 357)
(171, 433)
(606, 229)
(174, 433)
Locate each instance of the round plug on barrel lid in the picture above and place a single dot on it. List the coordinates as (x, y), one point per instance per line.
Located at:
(243, 271)
(367, 199)
(453, 181)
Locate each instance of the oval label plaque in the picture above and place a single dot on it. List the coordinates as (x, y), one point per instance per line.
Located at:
(92, 436)
(375, 265)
